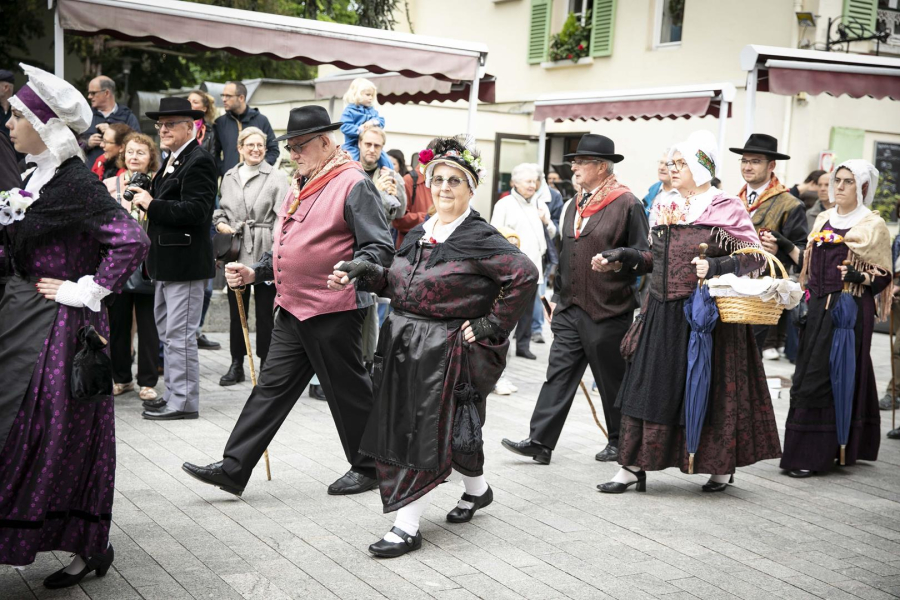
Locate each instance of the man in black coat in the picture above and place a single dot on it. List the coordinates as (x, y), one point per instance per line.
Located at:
(179, 206)
(237, 117)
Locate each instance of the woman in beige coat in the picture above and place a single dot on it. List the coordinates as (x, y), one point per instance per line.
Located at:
(251, 193)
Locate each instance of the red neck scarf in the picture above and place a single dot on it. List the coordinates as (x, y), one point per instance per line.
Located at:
(608, 191)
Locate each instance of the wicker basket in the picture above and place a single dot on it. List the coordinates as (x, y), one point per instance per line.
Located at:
(750, 310)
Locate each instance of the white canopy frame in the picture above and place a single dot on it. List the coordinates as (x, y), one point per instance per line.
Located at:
(249, 32)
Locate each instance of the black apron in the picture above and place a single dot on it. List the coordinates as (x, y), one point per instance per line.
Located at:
(26, 319)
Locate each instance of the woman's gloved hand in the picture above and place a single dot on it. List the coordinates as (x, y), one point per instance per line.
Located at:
(851, 275)
(479, 329)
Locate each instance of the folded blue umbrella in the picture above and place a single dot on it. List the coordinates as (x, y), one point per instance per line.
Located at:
(702, 315)
(843, 364)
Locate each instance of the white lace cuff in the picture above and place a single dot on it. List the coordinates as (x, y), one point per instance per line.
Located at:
(83, 293)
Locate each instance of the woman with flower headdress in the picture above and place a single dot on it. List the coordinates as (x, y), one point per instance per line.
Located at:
(457, 287)
(740, 424)
(70, 245)
(848, 231)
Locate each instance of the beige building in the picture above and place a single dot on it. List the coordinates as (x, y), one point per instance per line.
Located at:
(639, 44)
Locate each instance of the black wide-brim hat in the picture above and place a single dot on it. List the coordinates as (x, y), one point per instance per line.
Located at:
(308, 119)
(595, 146)
(175, 107)
(760, 143)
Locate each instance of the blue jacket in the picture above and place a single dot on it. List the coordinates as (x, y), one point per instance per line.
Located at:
(122, 114)
(352, 119)
(651, 194)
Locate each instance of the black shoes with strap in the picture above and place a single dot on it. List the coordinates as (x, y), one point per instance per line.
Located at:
(614, 487)
(385, 549)
(99, 563)
(712, 486)
(464, 515)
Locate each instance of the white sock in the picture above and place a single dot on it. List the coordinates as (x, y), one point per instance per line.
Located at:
(626, 476)
(719, 478)
(76, 566)
(475, 486)
(408, 518)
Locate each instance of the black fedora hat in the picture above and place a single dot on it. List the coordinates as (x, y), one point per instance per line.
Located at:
(308, 119)
(595, 146)
(760, 143)
(175, 107)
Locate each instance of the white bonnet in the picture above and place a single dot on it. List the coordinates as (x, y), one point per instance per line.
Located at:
(701, 153)
(864, 172)
(54, 108)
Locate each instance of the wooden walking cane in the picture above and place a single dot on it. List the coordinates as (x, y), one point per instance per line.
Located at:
(893, 375)
(239, 296)
(548, 314)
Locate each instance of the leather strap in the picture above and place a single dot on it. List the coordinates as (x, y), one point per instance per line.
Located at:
(407, 539)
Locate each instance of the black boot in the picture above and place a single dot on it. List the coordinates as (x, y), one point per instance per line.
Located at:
(234, 375)
(99, 563)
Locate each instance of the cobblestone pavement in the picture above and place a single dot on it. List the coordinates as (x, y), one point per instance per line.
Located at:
(549, 534)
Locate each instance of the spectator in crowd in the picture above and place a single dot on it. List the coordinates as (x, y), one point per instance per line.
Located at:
(778, 216)
(553, 200)
(7, 87)
(418, 195)
(662, 190)
(9, 169)
(112, 142)
(553, 178)
(206, 133)
(331, 215)
(823, 203)
(593, 310)
(398, 161)
(102, 96)
(810, 184)
(359, 111)
(526, 214)
(238, 116)
(135, 303)
(251, 195)
(179, 206)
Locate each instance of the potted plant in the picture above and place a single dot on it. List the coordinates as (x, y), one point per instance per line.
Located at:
(573, 40)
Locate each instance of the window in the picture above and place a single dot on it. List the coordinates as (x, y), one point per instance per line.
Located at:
(669, 16)
(581, 9)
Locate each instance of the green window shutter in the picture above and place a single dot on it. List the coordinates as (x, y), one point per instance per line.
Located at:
(847, 143)
(539, 31)
(861, 11)
(603, 21)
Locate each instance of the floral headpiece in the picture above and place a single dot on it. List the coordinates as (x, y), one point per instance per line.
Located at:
(706, 162)
(460, 152)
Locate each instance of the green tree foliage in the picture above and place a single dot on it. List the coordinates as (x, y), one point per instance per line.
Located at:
(21, 21)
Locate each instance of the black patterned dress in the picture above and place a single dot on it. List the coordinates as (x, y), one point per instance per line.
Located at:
(740, 426)
(421, 356)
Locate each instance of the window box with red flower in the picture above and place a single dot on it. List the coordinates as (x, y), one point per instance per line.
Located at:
(573, 41)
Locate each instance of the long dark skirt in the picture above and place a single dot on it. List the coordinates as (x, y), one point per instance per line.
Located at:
(740, 426)
(411, 426)
(810, 440)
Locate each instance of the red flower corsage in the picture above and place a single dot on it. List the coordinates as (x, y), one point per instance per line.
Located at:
(425, 156)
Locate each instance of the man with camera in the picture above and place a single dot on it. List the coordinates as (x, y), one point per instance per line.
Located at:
(179, 206)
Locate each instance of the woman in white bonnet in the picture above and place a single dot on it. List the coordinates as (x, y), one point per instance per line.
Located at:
(848, 231)
(69, 245)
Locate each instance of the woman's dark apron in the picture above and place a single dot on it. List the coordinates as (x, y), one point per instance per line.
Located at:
(26, 319)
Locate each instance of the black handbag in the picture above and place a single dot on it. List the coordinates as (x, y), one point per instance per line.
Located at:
(91, 368)
(227, 246)
(466, 422)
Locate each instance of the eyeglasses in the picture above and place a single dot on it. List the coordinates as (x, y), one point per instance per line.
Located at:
(753, 161)
(253, 146)
(453, 182)
(676, 165)
(226, 96)
(297, 148)
(93, 93)
(583, 161)
(168, 125)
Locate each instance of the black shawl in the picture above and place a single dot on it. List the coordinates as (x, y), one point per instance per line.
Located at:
(73, 201)
(474, 239)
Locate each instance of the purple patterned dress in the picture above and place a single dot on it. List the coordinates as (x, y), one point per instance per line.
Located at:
(58, 461)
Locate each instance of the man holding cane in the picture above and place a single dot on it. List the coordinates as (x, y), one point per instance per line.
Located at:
(332, 214)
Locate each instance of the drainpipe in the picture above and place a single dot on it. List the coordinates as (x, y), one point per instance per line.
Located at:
(785, 141)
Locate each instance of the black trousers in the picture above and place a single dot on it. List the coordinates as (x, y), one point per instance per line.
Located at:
(577, 343)
(120, 314)
(328, 345)
(265, 320)
(523, 327)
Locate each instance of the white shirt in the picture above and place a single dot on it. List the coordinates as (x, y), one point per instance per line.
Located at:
(247, 172)
(758, 191)
(112, 110)
(444, 231)
(520, 215)
(584, 220)
(175, 154)
(47, 164)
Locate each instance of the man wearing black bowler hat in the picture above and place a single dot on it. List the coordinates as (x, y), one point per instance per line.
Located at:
(333, 213)
(595, 299)
(179, 207)
(779, 218)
